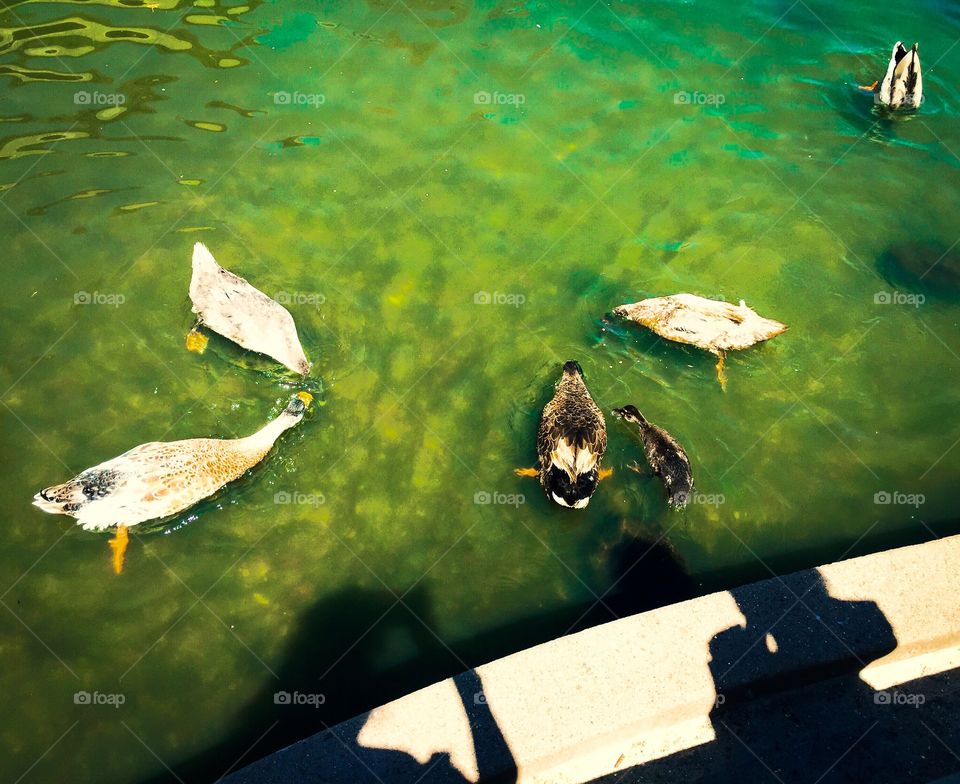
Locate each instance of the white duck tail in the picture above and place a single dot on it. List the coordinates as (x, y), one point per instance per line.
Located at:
(902, 85)
(230, 306)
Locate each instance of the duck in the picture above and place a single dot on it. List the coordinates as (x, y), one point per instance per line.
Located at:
(902, 84)
(232, 307)
(666, 457)
(571, 441)
(162, 478)
(713, 325)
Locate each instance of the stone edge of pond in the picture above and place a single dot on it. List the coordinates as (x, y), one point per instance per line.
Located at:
(643, 687)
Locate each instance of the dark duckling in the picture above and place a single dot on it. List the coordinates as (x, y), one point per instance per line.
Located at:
(665, 455)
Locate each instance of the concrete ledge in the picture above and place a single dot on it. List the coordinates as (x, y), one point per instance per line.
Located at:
(652, 685)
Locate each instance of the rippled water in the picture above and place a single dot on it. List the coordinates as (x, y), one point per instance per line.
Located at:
(451, 198)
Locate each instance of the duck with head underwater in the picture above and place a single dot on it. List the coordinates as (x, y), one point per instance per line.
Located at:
(161, 478)
(570, 443)
(902, 84)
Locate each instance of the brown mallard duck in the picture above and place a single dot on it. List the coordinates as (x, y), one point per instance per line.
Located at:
(666, 457)
(570, 443)
(902, 84)
(709, 324)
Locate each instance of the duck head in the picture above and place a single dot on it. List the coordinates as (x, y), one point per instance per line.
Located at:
(630, 414)
(298, 405)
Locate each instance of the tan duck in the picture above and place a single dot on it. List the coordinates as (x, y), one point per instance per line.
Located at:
(230, 306)
(161, 478)
(713, 325)
(570, 443)
(902, 84)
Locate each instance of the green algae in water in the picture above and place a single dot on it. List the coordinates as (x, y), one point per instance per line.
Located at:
(401, 215)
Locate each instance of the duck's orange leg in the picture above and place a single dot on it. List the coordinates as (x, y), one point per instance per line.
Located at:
(196, 341)
(869, 88)
(721, 376)
(531, 472)
(605, 473)
(119, 547)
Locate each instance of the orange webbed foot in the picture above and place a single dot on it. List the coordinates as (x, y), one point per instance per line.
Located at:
(119, 547)
(531, 472)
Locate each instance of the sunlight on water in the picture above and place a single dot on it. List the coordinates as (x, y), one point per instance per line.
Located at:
(450, 200)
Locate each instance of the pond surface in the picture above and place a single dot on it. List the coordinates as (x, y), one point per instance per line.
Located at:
(450, 198)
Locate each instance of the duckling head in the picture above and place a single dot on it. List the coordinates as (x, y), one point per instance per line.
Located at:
(572, 368)
(630, 414)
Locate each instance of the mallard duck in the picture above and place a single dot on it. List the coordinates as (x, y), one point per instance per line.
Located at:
(664, 454)
(162, 478)
(709, 324)
(230, 306)
(902, 85)
(570, 443)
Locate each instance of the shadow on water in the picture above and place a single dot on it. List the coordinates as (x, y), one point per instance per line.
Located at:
(772, 724)
(340, 652)
(931, 268)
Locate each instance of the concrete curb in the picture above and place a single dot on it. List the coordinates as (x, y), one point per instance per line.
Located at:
(644, 687)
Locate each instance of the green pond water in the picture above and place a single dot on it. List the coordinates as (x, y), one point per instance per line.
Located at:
(450, 198)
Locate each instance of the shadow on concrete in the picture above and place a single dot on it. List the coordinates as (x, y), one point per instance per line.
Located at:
(347, 762)
(335, 669)
(341, 647)
(787, 714)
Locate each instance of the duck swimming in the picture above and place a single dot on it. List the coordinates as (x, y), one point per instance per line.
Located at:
(664, 454)
(230, 306)
(159, 479)
(902, 84)
(570, 443)
(709, 324)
